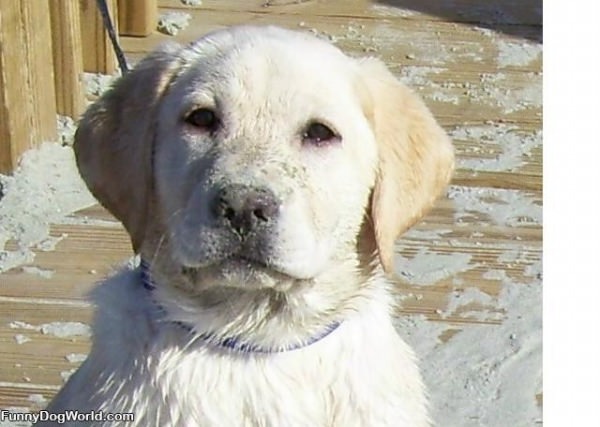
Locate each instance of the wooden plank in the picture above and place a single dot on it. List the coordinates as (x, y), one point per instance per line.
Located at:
(38, 42)
(392, 38)
(137, 17)
(448, 47)
(31, 355)
(509, 12)
(68, 57)
(23, 397)
(85, 255)
(16, 111)
(98, 55)
(507, 180)
(391, 35)
(27, 100)
(38, 47)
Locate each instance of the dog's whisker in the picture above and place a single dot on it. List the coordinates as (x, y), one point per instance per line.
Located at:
(159, 246)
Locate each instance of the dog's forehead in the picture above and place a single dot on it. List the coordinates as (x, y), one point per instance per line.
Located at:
(262, 41)
(252, 58)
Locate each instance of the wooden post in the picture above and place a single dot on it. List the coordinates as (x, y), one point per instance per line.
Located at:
(68, 57)
(38, 39)
(137, 17)
(98, 55)
(27, 99)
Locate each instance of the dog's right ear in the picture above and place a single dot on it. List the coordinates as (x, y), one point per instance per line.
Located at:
(416, 156)
(114, 141)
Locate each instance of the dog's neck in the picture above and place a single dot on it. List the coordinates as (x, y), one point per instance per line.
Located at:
(234, 343)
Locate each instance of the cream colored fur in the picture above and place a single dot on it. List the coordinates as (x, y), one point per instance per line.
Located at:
(342, 204)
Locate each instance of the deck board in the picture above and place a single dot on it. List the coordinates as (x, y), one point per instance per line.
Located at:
(436, 49)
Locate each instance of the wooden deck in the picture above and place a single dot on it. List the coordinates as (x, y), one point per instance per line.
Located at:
(463, 59)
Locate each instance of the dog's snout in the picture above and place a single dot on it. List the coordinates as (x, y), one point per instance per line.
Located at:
(245, 208)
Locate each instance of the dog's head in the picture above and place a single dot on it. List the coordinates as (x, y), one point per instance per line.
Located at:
(258, 156)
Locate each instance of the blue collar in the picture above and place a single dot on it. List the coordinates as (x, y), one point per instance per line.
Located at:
(233, 343)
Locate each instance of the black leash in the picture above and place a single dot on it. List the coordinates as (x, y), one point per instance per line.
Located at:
(110, 29)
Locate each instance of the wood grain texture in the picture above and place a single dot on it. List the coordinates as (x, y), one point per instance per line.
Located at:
(98, 55)
(39, 65)
(68, 56)
(27, 100)
(137, 17)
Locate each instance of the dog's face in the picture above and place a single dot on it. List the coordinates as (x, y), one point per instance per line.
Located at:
(258, 157)
(262, 172)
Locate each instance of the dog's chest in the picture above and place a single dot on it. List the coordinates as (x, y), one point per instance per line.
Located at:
(324, 385)
(204, 390)
(362, 374)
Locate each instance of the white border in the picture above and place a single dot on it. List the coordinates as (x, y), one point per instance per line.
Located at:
(571, 213)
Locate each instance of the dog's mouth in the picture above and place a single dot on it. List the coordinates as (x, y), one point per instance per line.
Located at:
(213, 257)
(240, 271)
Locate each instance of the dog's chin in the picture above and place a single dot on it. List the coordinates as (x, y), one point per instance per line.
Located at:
(239, 272)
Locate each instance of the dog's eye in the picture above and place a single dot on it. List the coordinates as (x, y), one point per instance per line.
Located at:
(203, 118)
(318, 133)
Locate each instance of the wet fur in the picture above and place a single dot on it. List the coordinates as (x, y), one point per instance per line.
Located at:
(326, 255)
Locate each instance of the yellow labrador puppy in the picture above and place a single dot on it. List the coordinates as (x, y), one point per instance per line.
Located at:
(263, 177)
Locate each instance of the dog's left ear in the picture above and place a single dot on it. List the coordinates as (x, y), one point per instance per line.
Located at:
(114, 140)
(416, 157)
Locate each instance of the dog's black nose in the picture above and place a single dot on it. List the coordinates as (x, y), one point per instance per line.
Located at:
(245, 208)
